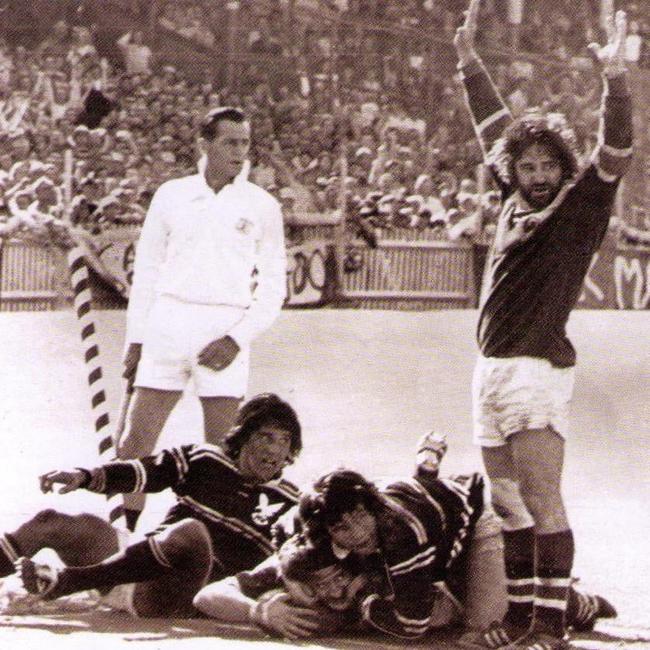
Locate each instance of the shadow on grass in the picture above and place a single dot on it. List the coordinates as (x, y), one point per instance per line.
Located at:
(158, 629)
(125, 627)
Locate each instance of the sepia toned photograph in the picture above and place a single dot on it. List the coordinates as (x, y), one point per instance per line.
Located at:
(325, 324)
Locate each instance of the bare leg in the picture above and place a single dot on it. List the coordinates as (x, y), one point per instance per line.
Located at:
(219, 414)
(77, 539)
(151, 408)
(539, 458)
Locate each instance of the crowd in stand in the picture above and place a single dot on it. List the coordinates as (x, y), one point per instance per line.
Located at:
(410, 157)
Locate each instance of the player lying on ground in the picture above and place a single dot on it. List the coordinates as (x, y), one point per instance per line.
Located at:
(553, 220)
(227, 502)
(416, 556)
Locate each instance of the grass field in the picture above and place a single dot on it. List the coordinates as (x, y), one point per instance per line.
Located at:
(366, 385)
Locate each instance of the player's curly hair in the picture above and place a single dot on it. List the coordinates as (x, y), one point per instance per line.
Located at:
(548, 129)
(263, 410)
(332, 496)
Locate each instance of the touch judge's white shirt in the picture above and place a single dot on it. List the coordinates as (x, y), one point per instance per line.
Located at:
(202, 247)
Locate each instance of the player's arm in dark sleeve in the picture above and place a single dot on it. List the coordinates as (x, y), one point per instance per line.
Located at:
(488, 111)
(407, 612)
(613, 154)
(148, 474)
(614, 151)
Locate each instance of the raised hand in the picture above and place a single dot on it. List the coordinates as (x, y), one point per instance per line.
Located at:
(466, 34)
(611, 57)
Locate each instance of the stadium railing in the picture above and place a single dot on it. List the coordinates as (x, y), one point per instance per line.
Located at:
(400, 273)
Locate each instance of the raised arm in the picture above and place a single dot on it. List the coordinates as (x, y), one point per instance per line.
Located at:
(489, 113)
(613, 153)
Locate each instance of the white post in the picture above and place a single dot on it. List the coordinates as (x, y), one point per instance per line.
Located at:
(68, 162)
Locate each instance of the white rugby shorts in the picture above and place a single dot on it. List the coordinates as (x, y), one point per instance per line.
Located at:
(176, 332)
(519, 394)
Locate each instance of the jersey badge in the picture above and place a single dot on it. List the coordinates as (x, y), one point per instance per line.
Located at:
(244, 226)
(265, 511)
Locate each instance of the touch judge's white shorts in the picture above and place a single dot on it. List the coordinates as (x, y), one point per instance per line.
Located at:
(519, 394)
(176, 332)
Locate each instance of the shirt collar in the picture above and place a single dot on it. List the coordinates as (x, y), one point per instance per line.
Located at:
(339, 552)
(242, 177)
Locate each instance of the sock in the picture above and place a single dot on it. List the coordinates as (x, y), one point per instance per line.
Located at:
(131, 517)
(553, 564)
(9, 553)
(519, 552)
(141, 562)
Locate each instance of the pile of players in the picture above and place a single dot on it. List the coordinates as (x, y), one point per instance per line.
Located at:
(241, 545)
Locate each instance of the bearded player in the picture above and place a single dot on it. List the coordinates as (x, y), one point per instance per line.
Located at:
(554, 217)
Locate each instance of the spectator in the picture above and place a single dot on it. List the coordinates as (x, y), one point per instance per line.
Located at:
(138, 57)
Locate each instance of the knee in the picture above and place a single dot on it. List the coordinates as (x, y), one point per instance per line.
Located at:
(188, 541)
(77, 539)
(545, 504)
(510, 504)
(138, 441)
(48, 517)
(45, 525)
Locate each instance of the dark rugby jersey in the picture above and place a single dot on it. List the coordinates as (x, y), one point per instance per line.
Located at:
(239, 515)
(534, 279)
(423, 532)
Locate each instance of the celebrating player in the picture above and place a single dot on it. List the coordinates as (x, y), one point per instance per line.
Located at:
(227, 503)
(209, 276)
(553, 219)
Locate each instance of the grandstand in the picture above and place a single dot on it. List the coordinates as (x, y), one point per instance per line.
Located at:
(118, 87)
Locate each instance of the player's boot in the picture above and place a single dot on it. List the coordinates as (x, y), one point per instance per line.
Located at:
(497, 635)
(39, 579)
(586, 609)
(430, 450)
(540, 641)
